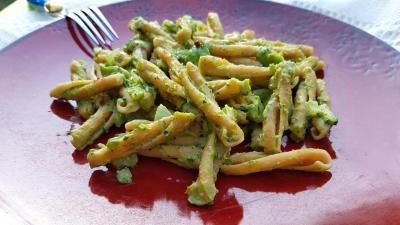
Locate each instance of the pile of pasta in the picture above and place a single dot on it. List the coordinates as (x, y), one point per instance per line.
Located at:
(187, 93)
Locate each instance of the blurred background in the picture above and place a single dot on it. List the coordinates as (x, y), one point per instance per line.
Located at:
(380, 18)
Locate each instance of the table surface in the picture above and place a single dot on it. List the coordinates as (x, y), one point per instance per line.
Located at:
(377, 17)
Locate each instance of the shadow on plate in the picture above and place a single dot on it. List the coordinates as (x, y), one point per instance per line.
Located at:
(82, 40)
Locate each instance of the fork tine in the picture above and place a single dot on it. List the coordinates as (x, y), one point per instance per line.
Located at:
(104, 20)
(90, 25)
(83, 26)
(96, 21)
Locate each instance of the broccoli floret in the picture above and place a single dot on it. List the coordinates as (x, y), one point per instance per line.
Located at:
(236, 115)
(136, 24)
(114, 141)
(169, 26)
(131, 44)
(140, 91)
(287, 68)
(124, 176)
(109, 70)
(135, 42)
(119, 118)
(322, 111)
(160, 64)
(192, 55)
(86, 108)
(264, 94)
(245, 86)
(266, 57)
(200, 193)
(128, 161)
(250, 104)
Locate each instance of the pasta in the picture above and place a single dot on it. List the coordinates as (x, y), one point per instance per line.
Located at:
(84, 89)
(203, 191)
(244, 61)
(214, 25)
(276, 113)
(214, 66)
(152, 74)
(299, 122)
(83, 135)
(196, 88)
(227, 89)
(187, 92)
(312, 160)
(142, 137)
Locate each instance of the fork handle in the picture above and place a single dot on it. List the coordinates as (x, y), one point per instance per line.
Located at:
(37, 2)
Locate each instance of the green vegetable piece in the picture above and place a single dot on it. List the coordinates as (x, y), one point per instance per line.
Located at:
(264, 94)
(124, 176)
(250, 104)
(201, 193)
(322, 111)
(287, 67)
(129, 161)
(86, 108)
(160, 64)
(161, 112)
(109, 70)
(131, 44)
(169, 26)
(266, 57)
(134, 43)
(192, 55)
(235, 114)
(119, 118)
(136, 24)
(245, 86)
(114, 141)
(140, 91)
(256, 138)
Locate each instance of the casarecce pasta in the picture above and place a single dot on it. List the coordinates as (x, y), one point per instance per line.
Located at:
(187, 92)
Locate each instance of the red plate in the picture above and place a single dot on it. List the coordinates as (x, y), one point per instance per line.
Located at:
(43, 181)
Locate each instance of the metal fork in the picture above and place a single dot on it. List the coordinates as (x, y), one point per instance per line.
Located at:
(87, 19)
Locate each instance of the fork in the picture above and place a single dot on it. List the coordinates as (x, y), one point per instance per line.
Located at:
(87, 19)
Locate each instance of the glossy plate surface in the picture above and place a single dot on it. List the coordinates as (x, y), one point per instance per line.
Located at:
(43, 181)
